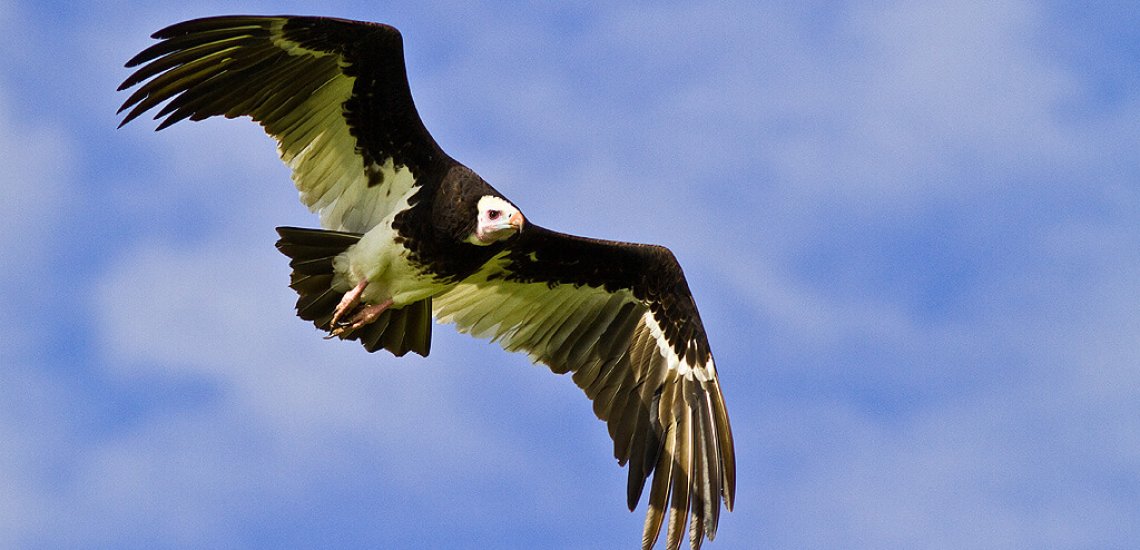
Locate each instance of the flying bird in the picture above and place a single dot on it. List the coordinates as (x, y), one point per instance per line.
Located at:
(409, 233)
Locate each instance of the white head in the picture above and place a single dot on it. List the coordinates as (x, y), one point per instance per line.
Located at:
(496, 220)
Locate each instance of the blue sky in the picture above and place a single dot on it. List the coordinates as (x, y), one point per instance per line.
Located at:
(913, 230)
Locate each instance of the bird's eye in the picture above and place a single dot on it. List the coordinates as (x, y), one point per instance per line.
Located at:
(494, 214)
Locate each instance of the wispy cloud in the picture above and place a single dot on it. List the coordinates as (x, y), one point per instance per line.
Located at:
(911, 230)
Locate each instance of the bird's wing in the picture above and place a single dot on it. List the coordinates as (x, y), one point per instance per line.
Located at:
(332, 92)
(621, 318)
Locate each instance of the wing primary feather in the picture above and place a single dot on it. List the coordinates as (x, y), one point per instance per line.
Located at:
(639, 462)
(710, 462)
(220, 95)
(165, 85)
(627, 421)
(659, 491)
(727, 452)
(699, 495)
(682, 478)
(188, 31)
(179, 57)
(705, 466)
(171, 46)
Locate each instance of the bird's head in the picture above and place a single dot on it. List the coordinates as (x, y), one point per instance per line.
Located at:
(496, 220)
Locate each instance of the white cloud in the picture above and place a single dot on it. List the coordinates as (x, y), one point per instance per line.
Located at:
(32, 418)
(756, 127)
(38, 161)
(1007, 468)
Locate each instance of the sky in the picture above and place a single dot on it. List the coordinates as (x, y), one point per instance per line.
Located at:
(912, 229)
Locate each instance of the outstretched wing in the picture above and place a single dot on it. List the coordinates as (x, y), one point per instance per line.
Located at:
(332, 92)
(621, 318)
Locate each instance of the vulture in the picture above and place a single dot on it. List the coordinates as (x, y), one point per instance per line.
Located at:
(408, 234)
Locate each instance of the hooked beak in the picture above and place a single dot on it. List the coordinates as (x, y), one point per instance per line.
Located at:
(517, 221)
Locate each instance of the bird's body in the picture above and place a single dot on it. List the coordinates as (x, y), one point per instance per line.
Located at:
(409, 233)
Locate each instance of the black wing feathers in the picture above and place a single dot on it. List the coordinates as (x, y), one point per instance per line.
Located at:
(651, 272)
(286, 73)
(620, 318)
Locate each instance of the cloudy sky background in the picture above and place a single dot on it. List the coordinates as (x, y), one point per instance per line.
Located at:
(913, 230)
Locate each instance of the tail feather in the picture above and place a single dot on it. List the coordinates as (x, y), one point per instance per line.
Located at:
(311, 253)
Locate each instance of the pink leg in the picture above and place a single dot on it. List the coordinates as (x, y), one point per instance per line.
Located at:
(347, 303)
(367, 314)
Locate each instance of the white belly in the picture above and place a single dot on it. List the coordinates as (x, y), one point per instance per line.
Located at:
(384, 263)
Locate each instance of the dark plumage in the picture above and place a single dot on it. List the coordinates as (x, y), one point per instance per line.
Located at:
(410, 233)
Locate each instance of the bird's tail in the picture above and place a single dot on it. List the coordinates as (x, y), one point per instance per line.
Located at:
(311, 253)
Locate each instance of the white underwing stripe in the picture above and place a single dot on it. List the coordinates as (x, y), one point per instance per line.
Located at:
(560, 326)
(532, 317)
(675, 362)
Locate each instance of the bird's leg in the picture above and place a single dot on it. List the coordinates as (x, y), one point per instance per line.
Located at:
(347, 303)
(365, 315)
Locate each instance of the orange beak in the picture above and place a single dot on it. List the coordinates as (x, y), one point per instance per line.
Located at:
(517, 221)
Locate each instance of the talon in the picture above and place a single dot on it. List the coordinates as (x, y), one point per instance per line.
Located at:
(367, 314)
(347, 303)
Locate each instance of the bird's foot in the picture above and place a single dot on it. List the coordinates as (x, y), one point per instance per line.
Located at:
(348, 302)
(363, 316)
